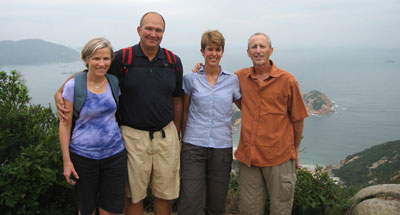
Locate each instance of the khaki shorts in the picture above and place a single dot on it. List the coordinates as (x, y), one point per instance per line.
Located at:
(152, 162)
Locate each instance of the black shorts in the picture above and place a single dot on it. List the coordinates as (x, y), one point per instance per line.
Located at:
(101, 183)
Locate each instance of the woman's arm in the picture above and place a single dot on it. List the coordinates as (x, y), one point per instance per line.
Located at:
(186, 103)
(65, 138)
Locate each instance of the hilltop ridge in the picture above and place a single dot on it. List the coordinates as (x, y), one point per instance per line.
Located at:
(35, 51)
(376, 165)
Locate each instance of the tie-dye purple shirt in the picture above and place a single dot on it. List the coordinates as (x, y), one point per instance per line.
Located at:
(96, 134)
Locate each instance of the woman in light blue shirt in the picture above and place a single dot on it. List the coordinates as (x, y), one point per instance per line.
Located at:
(206, 156)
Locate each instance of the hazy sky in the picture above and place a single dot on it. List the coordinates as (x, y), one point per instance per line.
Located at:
(290, 23)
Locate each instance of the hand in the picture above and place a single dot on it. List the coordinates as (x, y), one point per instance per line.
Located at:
(59, 100)
(69, 171)
(297, 164)
(196, 68)
(297, 160)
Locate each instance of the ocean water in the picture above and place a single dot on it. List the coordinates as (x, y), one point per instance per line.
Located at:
(363, 83)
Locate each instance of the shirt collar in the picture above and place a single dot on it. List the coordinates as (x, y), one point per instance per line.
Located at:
(139, 52)
(223, 72)
(275, 72)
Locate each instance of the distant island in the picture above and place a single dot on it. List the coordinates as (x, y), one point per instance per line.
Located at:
(318, 103)
(35, 51)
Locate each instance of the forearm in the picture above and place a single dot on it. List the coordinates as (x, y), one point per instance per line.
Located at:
(184, 122)
(65, 137)
(186, 103)
(178, 108)
(298, 133)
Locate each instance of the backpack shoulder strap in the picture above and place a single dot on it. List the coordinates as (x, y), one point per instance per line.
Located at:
(171, 59)
(79, 93)
(114, 83)
(127, 58)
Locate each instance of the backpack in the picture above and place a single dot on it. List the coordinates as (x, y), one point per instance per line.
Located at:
(80, 90)
(127, 60)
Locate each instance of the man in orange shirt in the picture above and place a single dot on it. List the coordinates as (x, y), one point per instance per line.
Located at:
(273, 115)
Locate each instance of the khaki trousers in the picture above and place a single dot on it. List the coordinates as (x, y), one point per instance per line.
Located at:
(254, 182)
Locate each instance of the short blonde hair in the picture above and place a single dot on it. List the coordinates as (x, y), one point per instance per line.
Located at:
(212, 38)
(93, 45)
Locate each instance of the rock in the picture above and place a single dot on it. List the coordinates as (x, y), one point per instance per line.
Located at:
(318, 103)
(377, 207)
(377, 200)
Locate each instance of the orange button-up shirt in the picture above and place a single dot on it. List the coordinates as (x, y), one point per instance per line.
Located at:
(268, 112)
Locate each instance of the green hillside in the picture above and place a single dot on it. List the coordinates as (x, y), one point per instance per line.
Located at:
(379, 164)
(34, 51)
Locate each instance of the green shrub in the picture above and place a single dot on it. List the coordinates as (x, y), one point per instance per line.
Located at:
(232, 199)
(316, 193)
(31, 180)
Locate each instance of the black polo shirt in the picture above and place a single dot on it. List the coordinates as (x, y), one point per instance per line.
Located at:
(147, 90)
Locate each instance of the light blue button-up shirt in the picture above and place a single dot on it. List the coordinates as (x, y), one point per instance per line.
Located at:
(210, 109)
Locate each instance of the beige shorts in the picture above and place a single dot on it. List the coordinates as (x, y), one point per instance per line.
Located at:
(152, 162)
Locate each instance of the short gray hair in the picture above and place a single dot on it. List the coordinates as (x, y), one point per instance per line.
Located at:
(257, 34)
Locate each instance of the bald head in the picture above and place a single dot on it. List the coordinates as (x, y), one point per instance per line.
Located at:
(152, 14)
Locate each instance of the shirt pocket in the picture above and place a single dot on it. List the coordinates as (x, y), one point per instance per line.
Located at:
(274, 103)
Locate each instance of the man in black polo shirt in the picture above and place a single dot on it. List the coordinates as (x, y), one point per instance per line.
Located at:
(151, 114)
(150, 118)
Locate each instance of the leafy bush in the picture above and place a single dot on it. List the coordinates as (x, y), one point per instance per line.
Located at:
(316, 193)
(232, 199)
(31, 180)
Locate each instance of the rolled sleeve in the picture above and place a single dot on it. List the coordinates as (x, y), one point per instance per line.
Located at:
(236, 89)
(297, 108)
(187, 79)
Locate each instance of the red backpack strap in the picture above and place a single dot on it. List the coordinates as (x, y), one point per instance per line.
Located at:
(127, 58)
(170, 57)
(127, 55)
